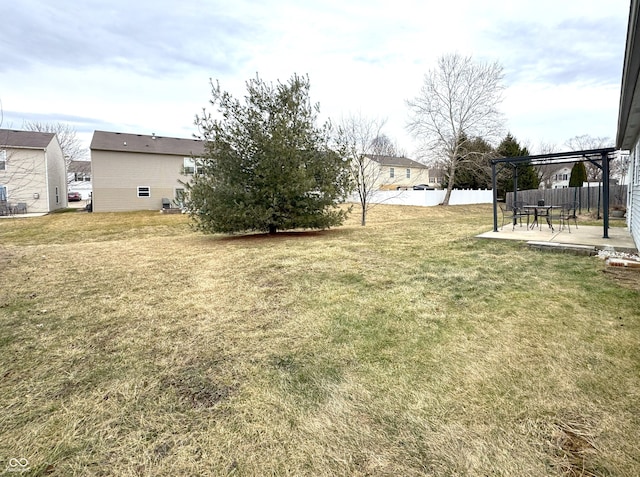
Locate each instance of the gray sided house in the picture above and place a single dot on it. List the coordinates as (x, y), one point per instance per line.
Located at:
(79, 178)
(628, 136)
(136, 172)
(33, 176)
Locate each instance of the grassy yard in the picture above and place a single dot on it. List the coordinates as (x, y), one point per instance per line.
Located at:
(131, 345)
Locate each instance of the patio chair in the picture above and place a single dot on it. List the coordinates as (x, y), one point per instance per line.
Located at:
(519, 211)
(568, 212)
(506, 214)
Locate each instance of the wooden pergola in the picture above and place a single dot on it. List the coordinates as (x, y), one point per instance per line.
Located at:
(598, 157)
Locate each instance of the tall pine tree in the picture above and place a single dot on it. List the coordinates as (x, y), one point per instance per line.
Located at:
(578, 175)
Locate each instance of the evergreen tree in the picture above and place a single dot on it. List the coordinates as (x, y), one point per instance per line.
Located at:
(267, 166)
(578, 175)
(474, 167)
(527, 176)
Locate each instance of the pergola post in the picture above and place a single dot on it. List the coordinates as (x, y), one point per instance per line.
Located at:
(605, 194)
(494, 186)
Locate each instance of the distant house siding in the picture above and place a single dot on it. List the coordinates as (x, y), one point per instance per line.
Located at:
(56, 176)
(25, 178)
(399, 179)
(34, 172)
(116, 177)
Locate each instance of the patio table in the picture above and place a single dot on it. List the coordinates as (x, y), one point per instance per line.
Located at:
(542, 211)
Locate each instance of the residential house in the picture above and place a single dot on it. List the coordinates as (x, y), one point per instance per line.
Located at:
(33, 175)
(398, 172)
(79, 178)
(628, 135)
(436, 178)
(560, 178)
(138, 172)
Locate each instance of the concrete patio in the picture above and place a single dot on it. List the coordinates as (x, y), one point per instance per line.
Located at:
(585, 237)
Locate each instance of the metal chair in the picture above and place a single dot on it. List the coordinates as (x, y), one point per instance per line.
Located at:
(519, 211)
(6, 208)
(568, 212)
(505, 214)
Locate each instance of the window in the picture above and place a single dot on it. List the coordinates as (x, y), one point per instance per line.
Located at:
(408, 173)
(3, 193)
(191, 166)
(81, 177)
(392, 172)
(144, 191)
(3, 160)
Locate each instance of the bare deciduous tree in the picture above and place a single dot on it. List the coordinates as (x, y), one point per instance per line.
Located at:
(359, 139)
(72, 148)
(546, 172)
(459, 99)
(585, 142)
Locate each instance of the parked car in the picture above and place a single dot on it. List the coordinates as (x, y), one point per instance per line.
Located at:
(422, 187)
(74, 197)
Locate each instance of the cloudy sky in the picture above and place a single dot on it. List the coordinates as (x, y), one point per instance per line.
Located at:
(144, 66)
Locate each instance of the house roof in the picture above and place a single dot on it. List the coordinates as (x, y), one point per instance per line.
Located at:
(79, 166)
(396, 161)
(629, 113)
(125, 142)
(25, 139)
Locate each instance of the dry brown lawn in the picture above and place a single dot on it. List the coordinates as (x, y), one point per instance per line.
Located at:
(131, 345)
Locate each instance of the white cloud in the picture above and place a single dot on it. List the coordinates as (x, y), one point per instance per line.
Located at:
(145, 66)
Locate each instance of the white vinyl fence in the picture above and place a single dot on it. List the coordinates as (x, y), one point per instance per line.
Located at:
(428, 197)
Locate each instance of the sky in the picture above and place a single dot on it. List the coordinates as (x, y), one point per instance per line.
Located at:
(145, 67)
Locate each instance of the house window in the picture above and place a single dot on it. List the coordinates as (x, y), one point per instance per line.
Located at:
(3, 193)
(392, 172)
(144, 191)
(191, 166)
(3, 160)
(408, 173)
(81, 177)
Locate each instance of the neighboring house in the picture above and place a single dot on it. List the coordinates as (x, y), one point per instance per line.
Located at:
(398, 172)
(436, 178)
(628, 136)
(79, 178)
(136, 172)
(560, 178)
(32, 171)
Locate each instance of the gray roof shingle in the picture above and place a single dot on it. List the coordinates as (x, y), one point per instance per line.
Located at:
(396, 161)
(125, 142)
(26, 139)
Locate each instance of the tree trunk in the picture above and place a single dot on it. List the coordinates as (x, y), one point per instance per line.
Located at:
(363, 220)
(452, 178)
(272, 229)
